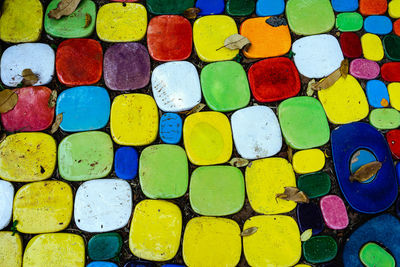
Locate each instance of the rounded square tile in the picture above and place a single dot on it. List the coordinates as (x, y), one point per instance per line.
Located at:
(265, 178)
(104, 246)
(240, 7)
(256, 132)
(351, 45)
(171, 128)
(52, 249)
(308, 161)
(168, 7)
(217, 190)
(274, 79)
(203, 239)
(10, 249)
(79, 62)
(163, 171)
(270, 7)
(6, 204)
(134, 120)
(102, 263)
(38, 57)
(21, 153)
(210, 7)
(344, 95)
(169, 38)
(43, 207)
(31, 113)
(281, 248)
(373, 7)
(225, 86)
(126, 163)
(155, 231)
(209, 34)
(207, 138)
(394, 9)
(385, 118)
(176, 86)
(75, 25)
(121, 22)
(345, 5)
(394, 94)
(349, 22)
(266, 40)
(372, 47)
(377, 93)
(21, 21)
(317, 56)
(103, 205)
(303, 122)
(85, 156)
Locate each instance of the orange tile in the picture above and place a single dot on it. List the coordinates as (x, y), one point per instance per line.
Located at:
(396, 27)
(266, 40)
(373, 7)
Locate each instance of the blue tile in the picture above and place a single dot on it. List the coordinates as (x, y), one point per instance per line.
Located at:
(378, 25)
(139, 264)
(376, 91)
(170, 128)
(344, 5)
(126, 163)
(270, 7)
(210, 7)
(309, 217)
(101, 264)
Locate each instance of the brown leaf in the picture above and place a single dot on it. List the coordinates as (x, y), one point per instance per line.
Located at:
(56, 123)
(8, 100)
(307, 234)
(64, 8)
(195, 109)
(249, 231)
(239, 162)
(88, 20)
(310, 84)
(366, 171)
(29, 78)
(52, 99)
(236, 41)
(344, 68)
(328, 81)
(191, 13)
(290, 153)
(384, 102)
(293, 194)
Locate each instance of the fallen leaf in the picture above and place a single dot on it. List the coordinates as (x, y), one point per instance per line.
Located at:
(236, 41)
(249, 231)
(56, 123)
(310, 91)
(196, 109)
(88, 20)
(52, 99)
(293, 194)
(64, 8)
(8, 100)
(328, 81)
(290, 154)
(354, 159)
(307, 234)
(239, 162)
(275, 21)
(344, 68)
(366, 171)
(191, 13)
(384, 102)
(29, 78)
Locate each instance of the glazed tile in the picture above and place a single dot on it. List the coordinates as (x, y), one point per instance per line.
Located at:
(372, 47)
(372, 254)
(345, 5)
(101, 264)
(104, 246)
(351, 45)
(308, 161)
(394, 94)
(319, 249)
(394, 9)
(364, 69)
(6, 204)
(349, 22)
(166, 7)
(240, 7)
(171, 128)
(377, 93)
(391, 45)
(378, 25)
(309, 217)
(334, 212)
(126, 163)
(390, 71)
(269, 7)
(210, 7)
(396, 27)
(314, 184)
(385, 118)
(10, 249)
(373, 7)
(393, 139)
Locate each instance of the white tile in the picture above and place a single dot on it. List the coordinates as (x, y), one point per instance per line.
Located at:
(6, 203)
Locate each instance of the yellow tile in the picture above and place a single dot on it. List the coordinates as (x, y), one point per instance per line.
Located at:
(55, 250)
(276, 242)
(155, 232)
(10, 249)
(307, 161)
(394, 95)
(372, 47)
(27, 157)
(119, 23)
(43, 207)
(394, 9)
(208, 138)
(210, 242)
(302, 265)
(265, 178)
(21, 21)
(345, 101)
(209, 34)
(134, 119)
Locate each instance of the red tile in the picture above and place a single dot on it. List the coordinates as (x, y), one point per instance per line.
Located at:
(390, 72)
(393, 139)
(396, 27)
(351, 45)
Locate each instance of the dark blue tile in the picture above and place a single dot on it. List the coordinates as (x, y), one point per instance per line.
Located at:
(126, 163)
(309, 217)
(210, 7)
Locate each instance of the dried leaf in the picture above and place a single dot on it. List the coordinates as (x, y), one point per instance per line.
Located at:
(239, 162)
(328, 81)
(88, 20)
(29, 78)
(8, 100)
(307, 234)
(196, 109)
(191, 13)
(64, 8)
(236, 41)
(354, 158)
(366, 171)
(275, 21)
(290, 154)
(310, 91)
(293, 194)
(384, 102)
(249, 231)
(56, 123)
(52, 99)
(344, 68)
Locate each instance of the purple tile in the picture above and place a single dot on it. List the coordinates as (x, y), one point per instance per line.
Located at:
(364, 69)
(126, 66)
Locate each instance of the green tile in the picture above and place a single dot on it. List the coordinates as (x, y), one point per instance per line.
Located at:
(385, 118)
(104, 246)
(165, 7)
(320, 249)
(163, 171)
(240, 7)
(74, 25)
(373, 255)
(349, 22)
(391, 44)
(217, 190)
(225, 86)
(314, 184)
